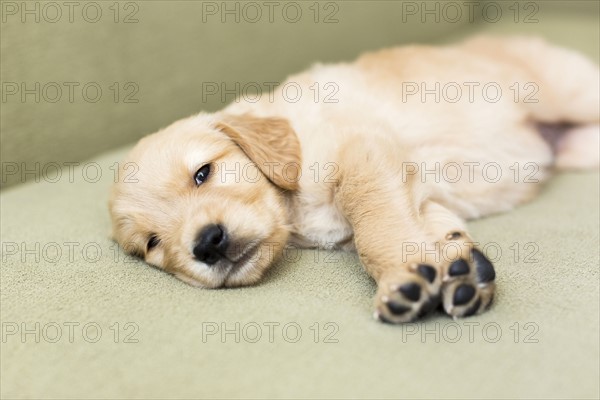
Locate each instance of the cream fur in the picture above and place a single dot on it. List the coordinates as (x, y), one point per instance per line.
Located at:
(356, 167)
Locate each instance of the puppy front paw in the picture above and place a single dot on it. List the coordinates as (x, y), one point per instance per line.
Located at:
(408, 293)
(463, 284)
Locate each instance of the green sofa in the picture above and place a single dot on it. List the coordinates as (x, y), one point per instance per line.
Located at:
(82, 320)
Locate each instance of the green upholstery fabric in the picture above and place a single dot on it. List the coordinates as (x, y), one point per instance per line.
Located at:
(539, 340)
(165, 57)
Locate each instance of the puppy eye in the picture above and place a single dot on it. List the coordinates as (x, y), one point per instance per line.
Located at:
(202, 174)
(152, 242)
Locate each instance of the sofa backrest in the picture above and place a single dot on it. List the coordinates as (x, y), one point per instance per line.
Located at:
(78, 80)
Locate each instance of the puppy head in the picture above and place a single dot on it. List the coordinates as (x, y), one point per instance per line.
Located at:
(205, 198)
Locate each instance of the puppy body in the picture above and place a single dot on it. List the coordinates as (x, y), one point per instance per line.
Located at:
(388, 156)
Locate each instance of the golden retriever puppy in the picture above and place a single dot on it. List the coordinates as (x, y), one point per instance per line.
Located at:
(415, 141)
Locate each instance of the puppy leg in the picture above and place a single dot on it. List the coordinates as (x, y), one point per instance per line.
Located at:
(467, 275)
(567, 85)
(392, 239)
(417, 251)
(385, 223)
(383, 212)
(579, 148)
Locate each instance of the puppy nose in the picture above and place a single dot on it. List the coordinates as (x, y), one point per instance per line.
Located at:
(211, 244)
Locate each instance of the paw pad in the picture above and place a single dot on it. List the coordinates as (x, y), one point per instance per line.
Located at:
(463, 294)
(458, 267)
(427, 272)
(411, 291)
(485, 269)
(397, 309)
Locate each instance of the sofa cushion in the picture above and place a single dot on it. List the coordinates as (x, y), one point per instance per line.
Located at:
(81, 320)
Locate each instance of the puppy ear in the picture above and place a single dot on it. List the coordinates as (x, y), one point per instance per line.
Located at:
(270, 143)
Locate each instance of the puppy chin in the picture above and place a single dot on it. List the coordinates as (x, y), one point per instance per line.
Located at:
(213, 282)
(245, 270)
(252, 266)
